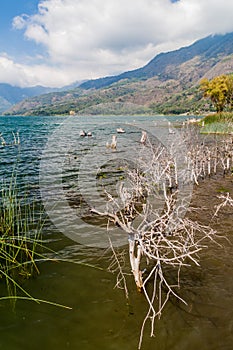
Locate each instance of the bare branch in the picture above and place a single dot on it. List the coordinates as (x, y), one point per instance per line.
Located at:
(152, 215)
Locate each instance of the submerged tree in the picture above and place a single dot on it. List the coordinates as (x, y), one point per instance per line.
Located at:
(154, 198)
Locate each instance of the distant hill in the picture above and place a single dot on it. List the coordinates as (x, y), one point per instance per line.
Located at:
(10, 95)
(167, 84)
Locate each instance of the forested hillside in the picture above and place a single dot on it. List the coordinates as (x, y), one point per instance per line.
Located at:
(169, 83)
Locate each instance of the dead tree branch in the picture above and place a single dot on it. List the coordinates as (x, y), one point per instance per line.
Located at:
(151, 213)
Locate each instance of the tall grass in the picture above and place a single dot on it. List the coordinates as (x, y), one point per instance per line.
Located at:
(21, 244)
(218, 123)
(217, 128)
(20, 238)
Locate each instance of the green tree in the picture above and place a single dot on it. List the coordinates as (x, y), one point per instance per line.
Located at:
(217, 90)
(230, 91)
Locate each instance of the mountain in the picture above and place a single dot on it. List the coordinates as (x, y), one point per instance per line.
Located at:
(207, 48)
(167, 84)
(10, 95)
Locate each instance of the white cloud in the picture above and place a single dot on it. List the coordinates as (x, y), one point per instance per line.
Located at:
(22, 75)
(92, 38)
(20, 22)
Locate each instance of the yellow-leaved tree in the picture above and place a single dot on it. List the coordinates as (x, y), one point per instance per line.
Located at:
(230, 92)
(219, 90)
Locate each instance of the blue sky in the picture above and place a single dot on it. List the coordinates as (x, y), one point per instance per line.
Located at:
(12, 41)
(57, 42)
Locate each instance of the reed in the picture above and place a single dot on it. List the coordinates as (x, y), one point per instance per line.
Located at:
(217, 128)
(20, 239)
(218, 123)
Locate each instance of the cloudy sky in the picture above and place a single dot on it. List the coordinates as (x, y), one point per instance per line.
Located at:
(57, 42)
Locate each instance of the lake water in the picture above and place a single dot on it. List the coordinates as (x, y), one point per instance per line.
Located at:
(101, 318)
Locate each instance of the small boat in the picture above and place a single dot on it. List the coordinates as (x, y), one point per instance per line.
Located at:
(89, 134)
(82, 133)
(120, 131)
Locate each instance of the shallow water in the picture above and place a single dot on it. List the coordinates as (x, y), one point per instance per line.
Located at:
(100, 317)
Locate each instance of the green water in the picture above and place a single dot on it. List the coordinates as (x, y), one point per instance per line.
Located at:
(101, 317)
